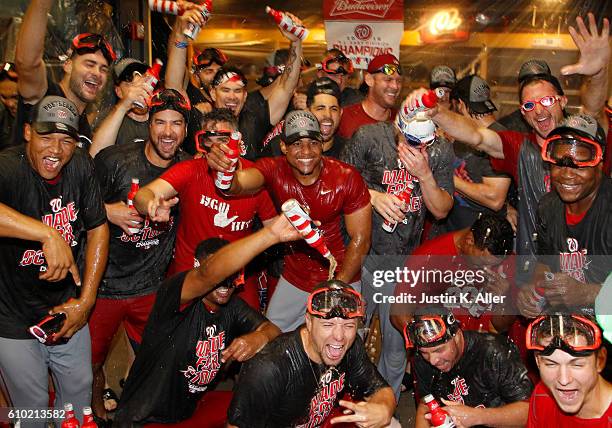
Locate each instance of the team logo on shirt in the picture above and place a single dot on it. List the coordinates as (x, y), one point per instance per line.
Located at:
(221, 218)
(208, 362)
(321, 405)
(575, 261)
(460, 390)
(397, 181)
(61, 219)
(147, 235)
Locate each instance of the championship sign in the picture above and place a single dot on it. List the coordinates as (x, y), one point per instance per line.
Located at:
(363, 29)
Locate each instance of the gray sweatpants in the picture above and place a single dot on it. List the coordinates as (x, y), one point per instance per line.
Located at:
(392, 363)
(288, 305)
(24, 365)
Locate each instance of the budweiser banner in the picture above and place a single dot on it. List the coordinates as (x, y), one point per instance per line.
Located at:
(363, 29)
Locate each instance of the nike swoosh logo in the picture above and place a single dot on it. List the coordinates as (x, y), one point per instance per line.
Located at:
(325, 192)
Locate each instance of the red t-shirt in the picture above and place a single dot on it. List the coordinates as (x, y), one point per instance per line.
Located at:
(204, 212)
(512, 142)
(340, 190)
(354, 117)
(544, 413)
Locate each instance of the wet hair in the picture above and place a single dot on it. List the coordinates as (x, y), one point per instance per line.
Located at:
(494, 233)
(209, 247)
(227, 69)
(322, 85)
(217, 115)
(540, 78)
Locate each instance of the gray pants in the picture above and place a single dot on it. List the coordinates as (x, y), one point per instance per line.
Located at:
(288, 305)
(392, 363)
(24, 365)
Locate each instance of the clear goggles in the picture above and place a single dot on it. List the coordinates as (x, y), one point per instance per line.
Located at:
(429, 330)
(572, 151)
(336, 302)
(574, 334)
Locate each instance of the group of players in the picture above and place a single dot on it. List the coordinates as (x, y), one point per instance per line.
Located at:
(167, 264)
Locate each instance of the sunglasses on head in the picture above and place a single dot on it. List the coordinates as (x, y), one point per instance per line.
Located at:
(202, 135)
(389, 69)
(548, 101)
(208, 56)
(90, 42)
(345, 64)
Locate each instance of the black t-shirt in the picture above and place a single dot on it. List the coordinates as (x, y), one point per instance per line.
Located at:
(583, 250)
(254, 123)
(180, 355)
(282, 387)
(73, 205)
(23, 117)
(195, 97)
(490, 373)
(132, 131)
(137, 263)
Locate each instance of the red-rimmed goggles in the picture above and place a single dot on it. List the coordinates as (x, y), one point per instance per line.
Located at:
(220, 136)
(91, 42)
(425, 331)
(335, 301)
(171, 98)
(574, 334)
(573, 151)
(209, 56)
(345, 65)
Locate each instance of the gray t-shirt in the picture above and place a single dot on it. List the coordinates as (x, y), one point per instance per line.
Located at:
(373, 151)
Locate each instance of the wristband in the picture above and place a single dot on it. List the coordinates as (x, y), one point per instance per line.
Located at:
(181, 45)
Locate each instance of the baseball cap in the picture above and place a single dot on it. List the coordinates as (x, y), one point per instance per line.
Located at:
(381, 60)
(533, 67)
(125, 67)
(300, 124)
(583, 125)
(442, 76)
(475, 93)
(55, 114)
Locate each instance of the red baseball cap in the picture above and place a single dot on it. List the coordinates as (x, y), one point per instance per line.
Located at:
(381, 60)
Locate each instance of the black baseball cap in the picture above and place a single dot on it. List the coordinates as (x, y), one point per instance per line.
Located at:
(582, 125)
(533, 67)
(125, 67)
(300, 124)
(55, 114)
(475, 93)
(442, 76)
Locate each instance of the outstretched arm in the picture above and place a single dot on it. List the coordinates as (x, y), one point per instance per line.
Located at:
(32, 82)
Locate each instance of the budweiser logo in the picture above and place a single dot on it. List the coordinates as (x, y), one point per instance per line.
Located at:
(378, 8)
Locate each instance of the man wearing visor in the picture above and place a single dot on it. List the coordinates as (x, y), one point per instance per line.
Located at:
(383, 81)
(85, 71)
(408, 170)
(479, 377)
(569, 354)
(338, 67)
(205, 211)
(300, 377)
(575, 220)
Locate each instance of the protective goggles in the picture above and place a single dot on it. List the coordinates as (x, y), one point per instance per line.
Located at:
(571, 151)
(548, 101)
(8, 69)
(389, 69)
(345, 64)
(574, 334)
(208, 56)
(336, 302)
(90, 42)
(429, 330)
(221, 136)
(170, 98)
